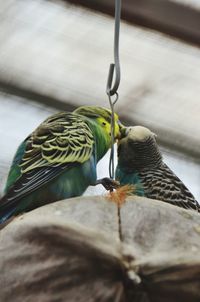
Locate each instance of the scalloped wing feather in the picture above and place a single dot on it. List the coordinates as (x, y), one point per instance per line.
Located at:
(63, 138)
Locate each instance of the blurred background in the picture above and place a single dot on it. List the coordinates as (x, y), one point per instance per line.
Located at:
(55, 55)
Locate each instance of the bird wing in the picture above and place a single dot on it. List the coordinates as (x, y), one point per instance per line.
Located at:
(163, 184)
(60, 142)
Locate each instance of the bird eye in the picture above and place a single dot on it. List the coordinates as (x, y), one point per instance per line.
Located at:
(103, 123)
(128, 129)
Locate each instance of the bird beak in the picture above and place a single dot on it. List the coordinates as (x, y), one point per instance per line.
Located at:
(122, 130)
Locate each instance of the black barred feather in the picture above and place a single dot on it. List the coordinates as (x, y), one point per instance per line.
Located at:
(163, 184)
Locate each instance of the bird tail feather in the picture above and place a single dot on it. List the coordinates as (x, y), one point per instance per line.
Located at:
(6, 210)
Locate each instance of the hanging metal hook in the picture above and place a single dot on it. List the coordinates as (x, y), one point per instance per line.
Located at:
(114, 68)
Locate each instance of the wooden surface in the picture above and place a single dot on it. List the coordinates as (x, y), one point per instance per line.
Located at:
(149, 219)
(71, 251)
(64, 58)
(179, 18)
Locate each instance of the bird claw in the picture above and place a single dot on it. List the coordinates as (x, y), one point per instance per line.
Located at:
(108, 183)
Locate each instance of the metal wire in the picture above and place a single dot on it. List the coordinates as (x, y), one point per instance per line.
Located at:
(111, 160)
(114, 68)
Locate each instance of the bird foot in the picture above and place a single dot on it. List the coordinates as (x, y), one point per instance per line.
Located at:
(108, 183)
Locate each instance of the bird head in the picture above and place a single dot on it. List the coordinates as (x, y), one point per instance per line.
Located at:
(138, 134)
(103, 118)
(135, 136)
(138, 148)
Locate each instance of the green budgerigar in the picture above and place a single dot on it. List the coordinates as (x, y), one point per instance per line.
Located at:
(58, 160)
(140, 163)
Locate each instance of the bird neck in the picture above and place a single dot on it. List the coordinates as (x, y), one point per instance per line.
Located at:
(102, 139)
(140, 156)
